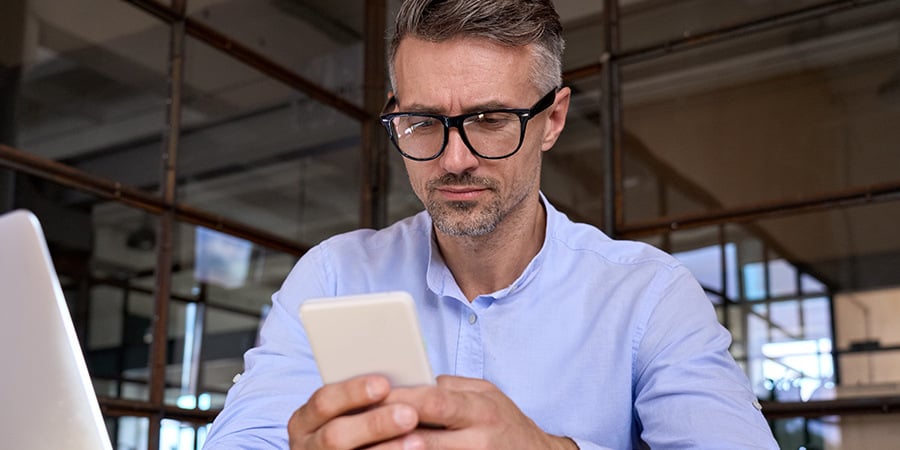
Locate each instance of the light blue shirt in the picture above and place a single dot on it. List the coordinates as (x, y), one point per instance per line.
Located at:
(608, 342)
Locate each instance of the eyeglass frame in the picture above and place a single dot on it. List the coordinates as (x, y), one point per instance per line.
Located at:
(457, 122)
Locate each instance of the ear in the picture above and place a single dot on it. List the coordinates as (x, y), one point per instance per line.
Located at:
(556, 119)
(390, 104)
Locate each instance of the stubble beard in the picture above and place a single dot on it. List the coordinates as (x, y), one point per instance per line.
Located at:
(465, 218)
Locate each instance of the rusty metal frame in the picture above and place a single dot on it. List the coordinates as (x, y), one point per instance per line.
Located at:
(374, 185)
(165, 229)
(611, 116)
(835, 199)
(838, 407)
(68, 176)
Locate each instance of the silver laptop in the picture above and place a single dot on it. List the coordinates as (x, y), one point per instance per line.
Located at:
(46, 397)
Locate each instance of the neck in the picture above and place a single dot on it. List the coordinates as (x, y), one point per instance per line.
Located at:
(488, 263)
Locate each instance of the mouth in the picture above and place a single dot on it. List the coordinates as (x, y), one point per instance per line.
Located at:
(461, 188)
(460, 193)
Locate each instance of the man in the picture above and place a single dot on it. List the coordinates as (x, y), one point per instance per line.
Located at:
(549, 334)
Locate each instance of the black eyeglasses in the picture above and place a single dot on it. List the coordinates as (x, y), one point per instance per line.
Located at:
(494, 134)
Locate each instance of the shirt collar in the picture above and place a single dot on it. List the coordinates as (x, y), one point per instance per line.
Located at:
(440, 280)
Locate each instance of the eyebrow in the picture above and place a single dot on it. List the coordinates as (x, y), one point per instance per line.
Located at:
(425, 109)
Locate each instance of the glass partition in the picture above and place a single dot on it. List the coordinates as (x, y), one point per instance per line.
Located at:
(652, 23)
(255, 151)
(319, 40)
(129, 433)
(572, 171)
(93, 93)
(773, 116)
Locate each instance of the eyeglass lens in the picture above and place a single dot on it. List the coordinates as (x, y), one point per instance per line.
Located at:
(491, 134)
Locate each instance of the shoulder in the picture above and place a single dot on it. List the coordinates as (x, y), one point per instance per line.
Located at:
(362, 260)
(587, 241)
(405, 233)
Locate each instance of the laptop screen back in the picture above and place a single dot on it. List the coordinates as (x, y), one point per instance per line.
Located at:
(47, 399)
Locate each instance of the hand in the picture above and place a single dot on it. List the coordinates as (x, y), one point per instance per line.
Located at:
(473, 414)
(332, 420)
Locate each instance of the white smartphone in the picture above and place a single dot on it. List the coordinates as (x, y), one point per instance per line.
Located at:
(364, 334)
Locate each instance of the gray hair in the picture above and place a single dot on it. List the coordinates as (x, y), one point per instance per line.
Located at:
(515, 23)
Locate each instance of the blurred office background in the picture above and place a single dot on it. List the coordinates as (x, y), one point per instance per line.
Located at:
(182, 155)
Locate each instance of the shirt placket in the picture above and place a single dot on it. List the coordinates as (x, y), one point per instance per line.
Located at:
(470, 353)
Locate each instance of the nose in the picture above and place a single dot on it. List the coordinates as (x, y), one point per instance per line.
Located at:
(457, 158)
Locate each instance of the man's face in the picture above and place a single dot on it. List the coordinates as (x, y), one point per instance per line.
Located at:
(464, 194)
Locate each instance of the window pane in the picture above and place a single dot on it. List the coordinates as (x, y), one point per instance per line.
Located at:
(786, 316)
(119, 342)
(257, 152)
(226, 271)
(227, 336)
(208, 345)
(736, 318)
(649, 23)
(318, 39)
(769, 117)
(782, 278)
(803, 433)
(869, 341)
(93, 92)
(810, 285)
(755, 281)
(748, 258)
(816, 318)
(572, 172)
(131, 433)
(850, 249)
(706, 265)
(222, 287)
(181, 435)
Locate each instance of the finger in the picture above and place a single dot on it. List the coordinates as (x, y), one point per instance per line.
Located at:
(464, 384)
(438, 407)
(467, 438)
(407, 442)
(338, 399)
(373, 426)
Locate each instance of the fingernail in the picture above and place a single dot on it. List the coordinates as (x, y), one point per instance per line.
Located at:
(413, 443)
(375, 389)
(404, 417)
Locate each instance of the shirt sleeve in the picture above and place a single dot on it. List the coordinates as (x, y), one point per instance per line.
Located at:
(689, 392)
(280, 373)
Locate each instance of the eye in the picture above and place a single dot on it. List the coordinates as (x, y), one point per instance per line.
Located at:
(417, 124)
(492, 120)
(422, 122)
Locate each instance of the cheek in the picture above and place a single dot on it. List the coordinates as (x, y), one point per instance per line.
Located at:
(417, 179)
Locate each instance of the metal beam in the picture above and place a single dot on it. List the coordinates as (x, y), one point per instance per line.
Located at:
(828, 200)
(838, 407)
(62, 174)
(165, 231)
(612, 121)
(374, 186)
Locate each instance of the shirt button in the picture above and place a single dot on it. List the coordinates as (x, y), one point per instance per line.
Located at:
(472, 318)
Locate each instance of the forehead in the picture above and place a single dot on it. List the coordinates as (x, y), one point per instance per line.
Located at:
(453, 74)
